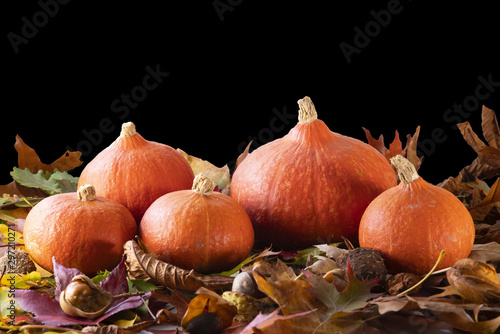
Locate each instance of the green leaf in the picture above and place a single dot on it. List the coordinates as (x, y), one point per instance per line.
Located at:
(51, 183)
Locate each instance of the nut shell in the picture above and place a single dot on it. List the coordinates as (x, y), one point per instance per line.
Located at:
(92, 306)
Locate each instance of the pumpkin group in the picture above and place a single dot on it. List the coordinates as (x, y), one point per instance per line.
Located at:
(135, 171)
(311, 186)
(410, 224)
(198, 229)
(80, 230)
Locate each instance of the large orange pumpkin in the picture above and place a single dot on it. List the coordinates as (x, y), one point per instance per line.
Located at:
(198, 229)
(311, 186)
(80, 230)
(135, 171)
(410, 224)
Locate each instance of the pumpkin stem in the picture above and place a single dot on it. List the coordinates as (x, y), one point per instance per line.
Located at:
(307, 111)
(128, 130)
(203, 185)
(86, 193)
(405, 169)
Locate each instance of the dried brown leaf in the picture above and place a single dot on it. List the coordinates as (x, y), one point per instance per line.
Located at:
(242, 156)
(209, 302)
(475, 281)
(141, 265)
(28, 158)
(410, 150)
(486, 233)
(491, 130)
(395, 148)
(220, 175)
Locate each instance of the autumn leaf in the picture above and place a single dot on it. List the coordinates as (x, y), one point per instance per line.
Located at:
(28, 158)
(52, 183)
(220, 175)
(354, 296)
(208, 301)
(141, 265)
(476, 281)
(487, 164)
(395, 148)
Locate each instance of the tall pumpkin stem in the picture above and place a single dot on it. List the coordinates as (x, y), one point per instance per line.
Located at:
(128, 130)
(203, 185)
(86, 193)
(405, 169)
(307, 111)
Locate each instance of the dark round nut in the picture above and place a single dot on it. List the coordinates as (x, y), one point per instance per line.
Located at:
(365, 263)
(19, 262)
(205, 323)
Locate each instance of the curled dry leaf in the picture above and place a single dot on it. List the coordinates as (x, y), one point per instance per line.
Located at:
(475, 281)
(402, 282)
(487, 164)
(141, 265)
(221, 176)
(209, 302)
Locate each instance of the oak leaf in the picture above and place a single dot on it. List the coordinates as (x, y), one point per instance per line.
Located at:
(28, 158)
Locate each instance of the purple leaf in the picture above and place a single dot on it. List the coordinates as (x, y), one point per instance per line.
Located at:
(47, 310)
(130, 302)
(63, 276)
(116, 281)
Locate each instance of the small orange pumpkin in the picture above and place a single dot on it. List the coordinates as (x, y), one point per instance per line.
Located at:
(135, 172)
(311, 186)
(410, 224)
(198, 229)
(80, 230)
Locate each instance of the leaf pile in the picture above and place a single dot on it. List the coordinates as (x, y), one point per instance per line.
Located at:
(303, 291)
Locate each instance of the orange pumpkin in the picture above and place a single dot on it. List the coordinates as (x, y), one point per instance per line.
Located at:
(80, 230)
(198, 229)
(311, 186)
(135, 172)
(410, 224)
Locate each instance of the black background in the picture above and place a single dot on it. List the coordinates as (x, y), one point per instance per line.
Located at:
(230, 67)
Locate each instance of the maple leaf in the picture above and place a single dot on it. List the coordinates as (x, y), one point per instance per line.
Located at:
(354, 296)
(48, 311)
(395, 148)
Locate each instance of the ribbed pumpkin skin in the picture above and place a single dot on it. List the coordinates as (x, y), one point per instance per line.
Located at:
(411, 223)
(310, 187)
(135, 172)
(206, 233)
(88, 236)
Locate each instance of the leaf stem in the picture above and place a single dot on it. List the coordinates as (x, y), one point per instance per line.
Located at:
(440, 257)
